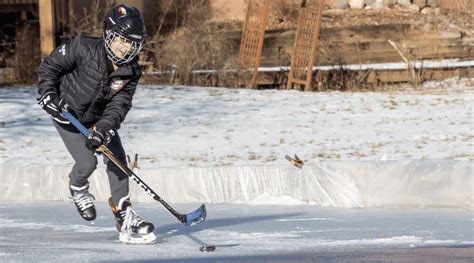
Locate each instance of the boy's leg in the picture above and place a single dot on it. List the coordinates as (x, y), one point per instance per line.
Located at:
(85, 160)
(127, 219)
(85, 164)
(118, 180)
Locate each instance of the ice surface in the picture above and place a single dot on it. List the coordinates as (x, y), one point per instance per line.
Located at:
(54, 232)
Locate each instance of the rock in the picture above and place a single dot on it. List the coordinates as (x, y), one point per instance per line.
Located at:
(356, 4)
(369, 2)
(428, 27)
(383, 4)
(427, 11)
(414, 8)
(389, 3)
(405, 3)
(432, 3)
(420, 3)
(398, 7)
(377, 5)
(340, 4)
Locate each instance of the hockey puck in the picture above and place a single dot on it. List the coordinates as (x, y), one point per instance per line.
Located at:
(207, 248)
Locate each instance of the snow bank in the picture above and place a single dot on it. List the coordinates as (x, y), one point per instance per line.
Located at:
(420, 183)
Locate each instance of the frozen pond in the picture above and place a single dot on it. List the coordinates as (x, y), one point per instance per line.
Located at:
(53, 232)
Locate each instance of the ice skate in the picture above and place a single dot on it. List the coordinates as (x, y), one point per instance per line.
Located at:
(84, 201)
(133, 229)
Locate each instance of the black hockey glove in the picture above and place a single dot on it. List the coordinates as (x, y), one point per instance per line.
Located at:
(54, 106)
(97, 138)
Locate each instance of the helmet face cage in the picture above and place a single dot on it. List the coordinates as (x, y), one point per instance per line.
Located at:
(130, 47)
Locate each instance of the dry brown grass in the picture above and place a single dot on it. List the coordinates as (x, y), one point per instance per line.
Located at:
(27, 54)
(92, 22)
(196, 43)
(338, 78)
(284, 13)
(19, 51)
(22, 56)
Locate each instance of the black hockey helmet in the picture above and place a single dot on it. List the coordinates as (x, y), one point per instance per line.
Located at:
(125, 23)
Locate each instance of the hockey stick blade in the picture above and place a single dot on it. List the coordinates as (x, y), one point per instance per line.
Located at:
(196, 216)
(189, 219)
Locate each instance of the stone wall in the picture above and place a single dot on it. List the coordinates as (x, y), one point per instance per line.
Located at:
(465, 5)
(415, 5)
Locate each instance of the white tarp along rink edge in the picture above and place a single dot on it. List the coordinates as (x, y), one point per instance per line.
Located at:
(410, 183)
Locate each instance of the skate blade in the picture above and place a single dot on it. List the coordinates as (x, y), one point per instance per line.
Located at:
(137, 239)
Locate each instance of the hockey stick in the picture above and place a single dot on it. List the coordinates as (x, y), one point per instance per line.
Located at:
(189, 219)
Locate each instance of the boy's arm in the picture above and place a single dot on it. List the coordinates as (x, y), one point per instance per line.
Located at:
(61, 61)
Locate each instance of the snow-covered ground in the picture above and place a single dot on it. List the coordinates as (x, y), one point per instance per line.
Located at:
(406, 157)
(191, 126)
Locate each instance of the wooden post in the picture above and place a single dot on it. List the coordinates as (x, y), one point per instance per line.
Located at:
(47, 30)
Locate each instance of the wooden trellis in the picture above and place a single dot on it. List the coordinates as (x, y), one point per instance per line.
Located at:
(252, 38)
(306, 43)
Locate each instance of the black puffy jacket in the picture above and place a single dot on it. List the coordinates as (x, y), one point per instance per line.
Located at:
(81, 74)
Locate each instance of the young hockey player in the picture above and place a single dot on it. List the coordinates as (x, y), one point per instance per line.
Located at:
(95, 80)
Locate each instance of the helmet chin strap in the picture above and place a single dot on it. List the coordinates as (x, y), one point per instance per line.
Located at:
(109, 37)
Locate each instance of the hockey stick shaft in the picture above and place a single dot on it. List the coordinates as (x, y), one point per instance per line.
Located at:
(103, 149)
(188, 219)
